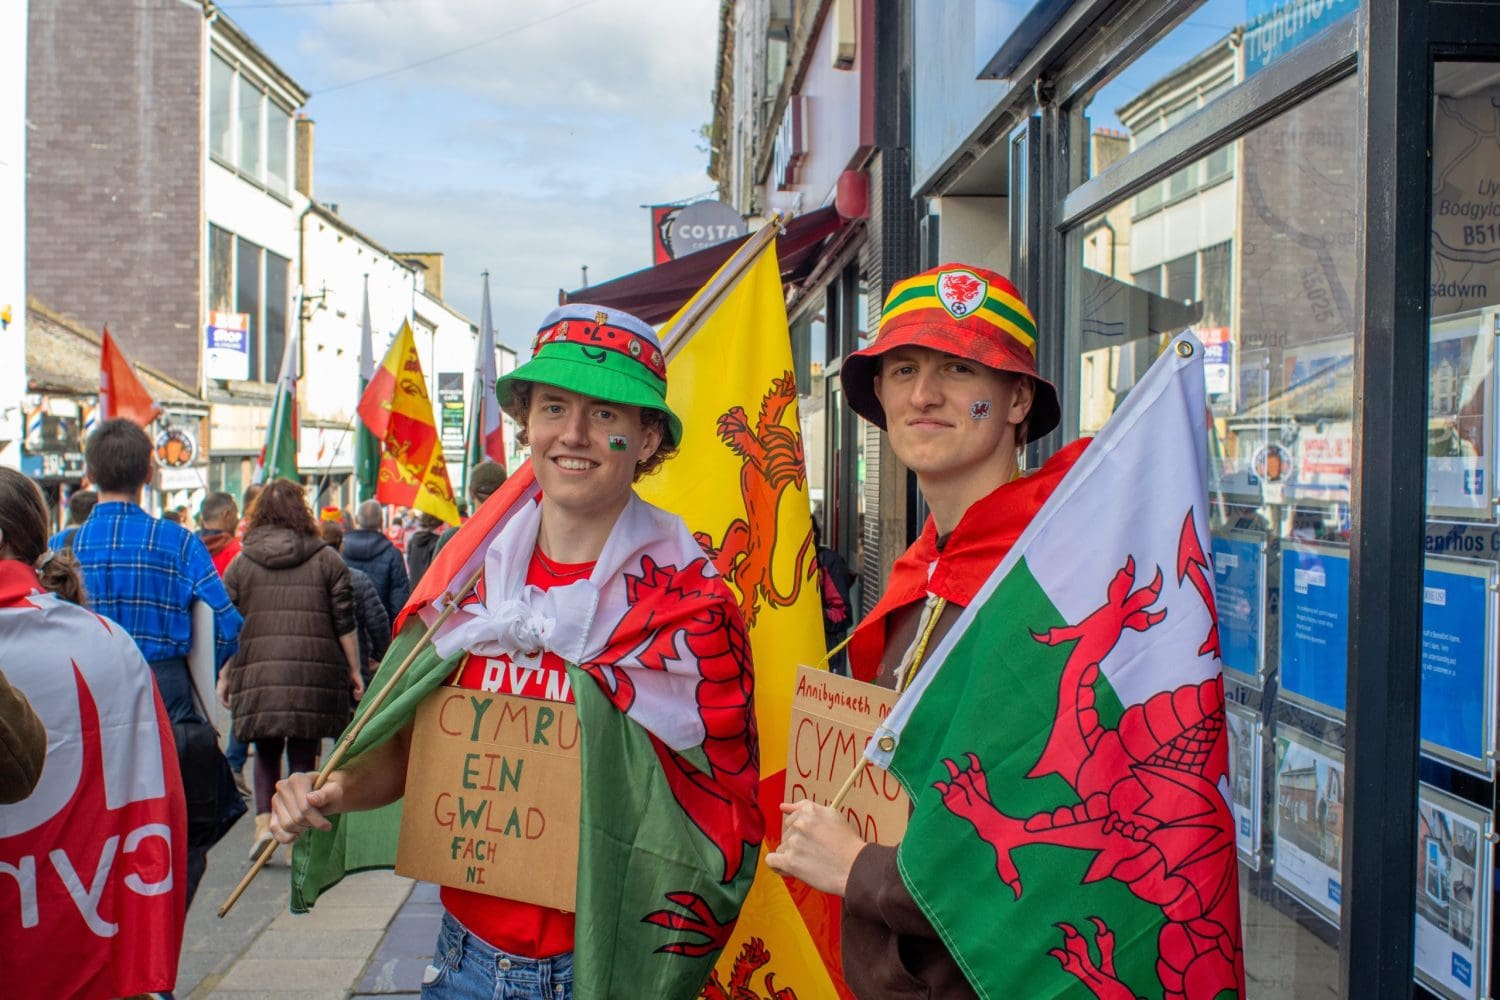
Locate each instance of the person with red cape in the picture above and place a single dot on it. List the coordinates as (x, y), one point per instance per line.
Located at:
(951, 377)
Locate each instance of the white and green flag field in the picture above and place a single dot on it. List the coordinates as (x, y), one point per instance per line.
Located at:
(1065, 748)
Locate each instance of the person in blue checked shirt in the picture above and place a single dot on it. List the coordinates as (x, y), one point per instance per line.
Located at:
(145, 573)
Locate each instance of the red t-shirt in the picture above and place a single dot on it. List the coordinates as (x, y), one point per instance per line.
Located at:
(225, 556)
(524, 929)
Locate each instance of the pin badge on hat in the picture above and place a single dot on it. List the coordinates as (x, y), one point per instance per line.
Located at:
(961, 292)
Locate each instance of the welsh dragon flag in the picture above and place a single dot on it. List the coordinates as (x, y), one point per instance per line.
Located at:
(93, 897)
(1065, 748)
(660, 670)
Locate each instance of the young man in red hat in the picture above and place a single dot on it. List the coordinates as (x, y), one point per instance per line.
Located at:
(952, 379)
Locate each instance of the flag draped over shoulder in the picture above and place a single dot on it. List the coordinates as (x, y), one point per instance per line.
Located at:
(486, 439)
(121, 393)
(366, 445)
(1065, 749)
(740, 482)
(94, 897)
(278, 457)
(670, 829)
(396, 409)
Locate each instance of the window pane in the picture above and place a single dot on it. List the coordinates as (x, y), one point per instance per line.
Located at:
(1261, 265)
(247, 300)
(1182, 279)
(221, 109)
(220, 269)
(1458, 601)
(278, 148)
(277, 311)
(249, 108)
(1221, 44)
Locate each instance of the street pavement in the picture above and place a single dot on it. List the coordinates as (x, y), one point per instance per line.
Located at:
(370, 936)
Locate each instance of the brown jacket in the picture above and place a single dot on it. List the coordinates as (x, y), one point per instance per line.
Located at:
(889, 948)
(290, 677)
(23, 744)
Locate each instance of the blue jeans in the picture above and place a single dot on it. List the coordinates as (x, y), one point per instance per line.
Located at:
(466, 968)
(236, 752)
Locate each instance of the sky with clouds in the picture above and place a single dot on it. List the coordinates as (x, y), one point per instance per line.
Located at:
(522, 140)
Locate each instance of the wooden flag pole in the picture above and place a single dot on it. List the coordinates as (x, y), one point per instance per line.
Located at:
(709, 295)
(339, 752)
(931, 612)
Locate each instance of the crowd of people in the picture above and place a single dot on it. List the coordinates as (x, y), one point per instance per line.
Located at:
(302, 605)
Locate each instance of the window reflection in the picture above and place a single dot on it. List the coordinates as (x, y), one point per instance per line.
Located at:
(1222, 43)
(1252, 248)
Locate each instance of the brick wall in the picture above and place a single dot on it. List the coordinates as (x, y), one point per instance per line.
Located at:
(114, 172)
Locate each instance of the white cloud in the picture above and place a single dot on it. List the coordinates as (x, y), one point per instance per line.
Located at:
(529, 155)
(643, 59)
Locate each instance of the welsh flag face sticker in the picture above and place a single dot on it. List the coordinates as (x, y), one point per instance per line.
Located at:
(961, 292)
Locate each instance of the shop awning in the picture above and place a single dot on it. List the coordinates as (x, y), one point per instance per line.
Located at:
(655, 293)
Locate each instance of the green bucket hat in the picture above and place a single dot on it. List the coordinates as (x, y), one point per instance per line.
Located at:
(600, 352)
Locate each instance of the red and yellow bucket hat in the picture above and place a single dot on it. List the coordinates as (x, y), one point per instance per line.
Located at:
(966, 311)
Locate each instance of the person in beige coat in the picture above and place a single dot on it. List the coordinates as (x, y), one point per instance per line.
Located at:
(298, 661)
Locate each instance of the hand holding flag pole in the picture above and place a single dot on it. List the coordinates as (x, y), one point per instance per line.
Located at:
(452, 601)
(706, 300)
(930, 615)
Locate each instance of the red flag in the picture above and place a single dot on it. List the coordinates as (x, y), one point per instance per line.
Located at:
(93, 899)
(121, 393)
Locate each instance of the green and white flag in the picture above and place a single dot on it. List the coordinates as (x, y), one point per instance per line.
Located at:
(1065, 749)
(366, 447)
(278, 456)
(660, 668)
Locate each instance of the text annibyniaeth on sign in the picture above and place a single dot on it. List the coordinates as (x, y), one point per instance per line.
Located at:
(833, 717)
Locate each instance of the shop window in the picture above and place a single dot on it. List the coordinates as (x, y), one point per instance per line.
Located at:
(221, 109)
(1455, 865)
(248, 300)
(1260, 264)
(1220, 44)
(277, 271)
(220, 269)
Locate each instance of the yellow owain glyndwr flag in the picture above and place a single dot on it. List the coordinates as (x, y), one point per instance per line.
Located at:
(740, 482)
(396, 409)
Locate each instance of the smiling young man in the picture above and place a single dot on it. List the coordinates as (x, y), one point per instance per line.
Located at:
(590, 594)
(952, 379)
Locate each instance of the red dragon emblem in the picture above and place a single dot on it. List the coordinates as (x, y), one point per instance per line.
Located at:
(960, 291)
(753, 957)
(773, 461)
(1149, 809)
(671, 612)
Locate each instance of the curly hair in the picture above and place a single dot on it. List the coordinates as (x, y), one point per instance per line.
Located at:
(519, 410)
(282, 504)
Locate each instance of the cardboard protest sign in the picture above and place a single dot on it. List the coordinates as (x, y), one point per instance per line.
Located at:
(492, 794)
(833, 718)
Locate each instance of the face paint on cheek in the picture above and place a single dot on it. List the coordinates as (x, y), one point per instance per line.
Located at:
(618, 442)
(980, 409)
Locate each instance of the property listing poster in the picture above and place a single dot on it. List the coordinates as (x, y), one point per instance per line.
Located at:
(1308, 846)
(1458, 662)
(1453, 912)
(1315, 626)
(1245, 754)
(1240, 594)
(1461, 416)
